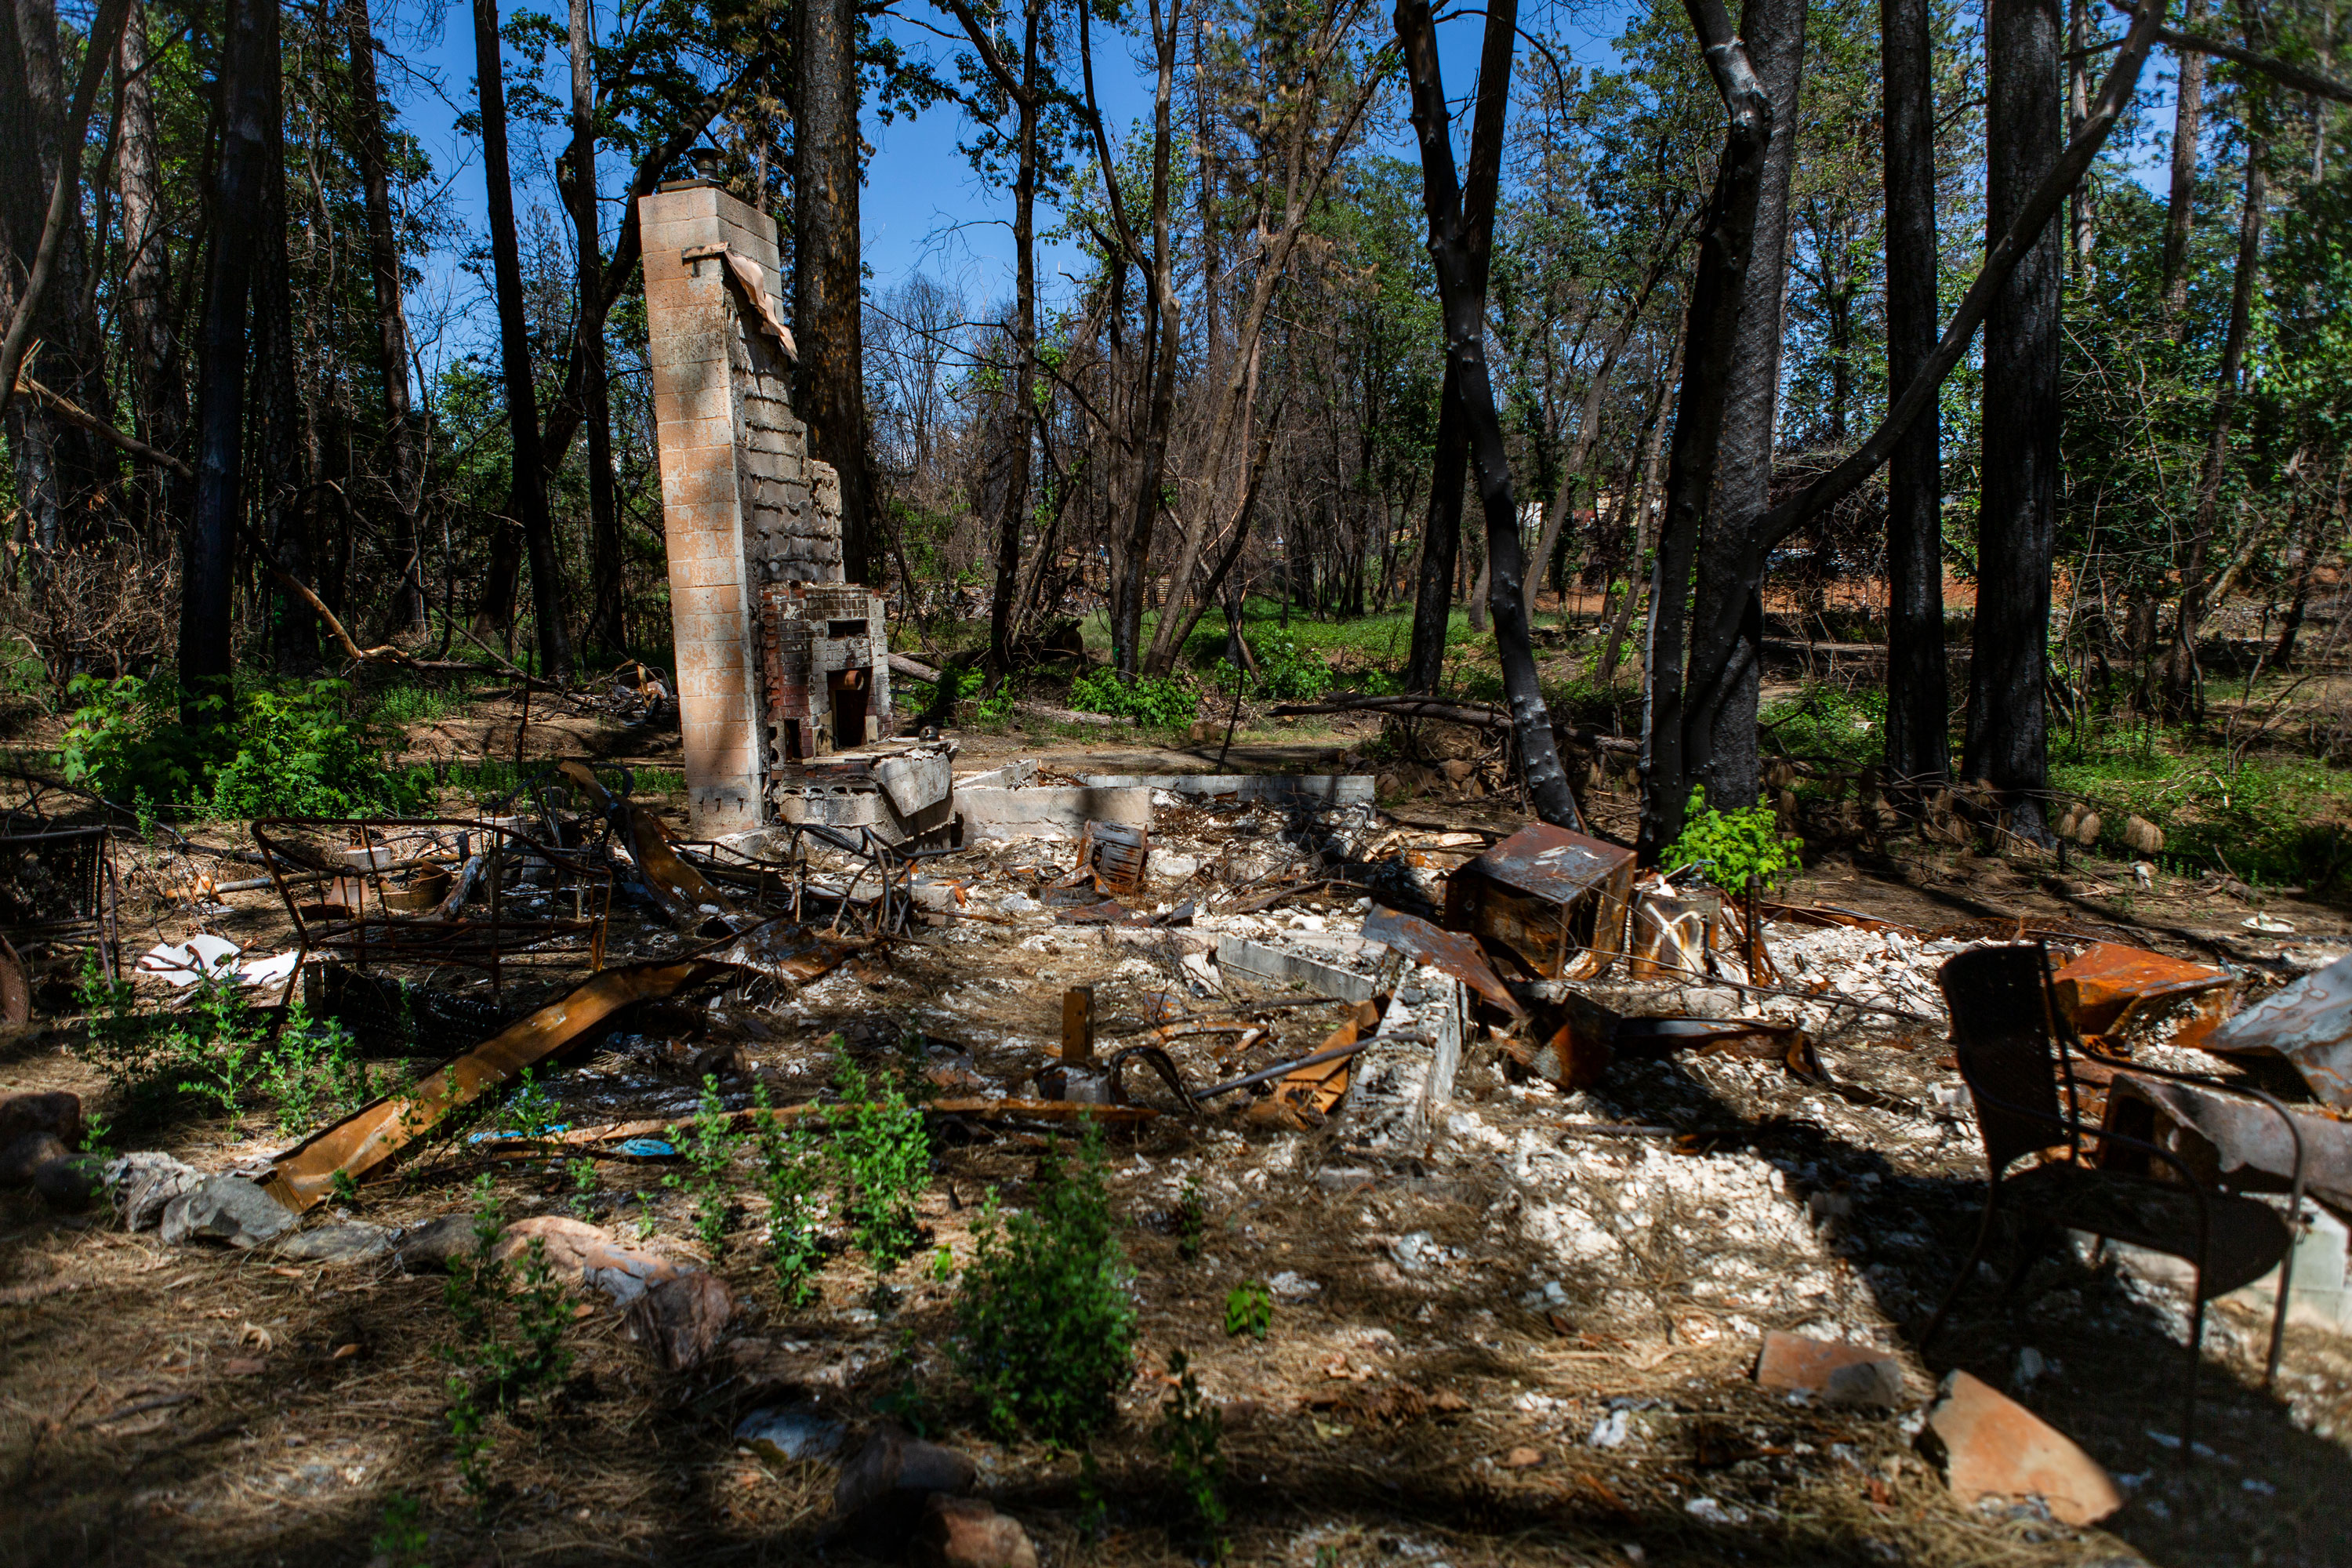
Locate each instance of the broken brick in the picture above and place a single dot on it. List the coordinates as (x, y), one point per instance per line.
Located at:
(1995, 1447)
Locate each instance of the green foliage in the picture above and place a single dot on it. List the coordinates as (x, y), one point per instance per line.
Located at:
(1154, 701)
(1192, 1220)
(2265, 820)
(400, 1540)
(792, 1170)
(1045, 1329)
(292, 750)
(314, 1071)
(584, 1188)
(1249, 1310)
(219, 1044)
(510, 1343)
(1829, 724)
(1192, 1432)
(529, 1111)
(883, 1158)
(1287, 671)
(1733, 846)
(708, 1144)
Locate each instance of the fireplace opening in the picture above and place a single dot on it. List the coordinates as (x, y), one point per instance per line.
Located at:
(848, 690)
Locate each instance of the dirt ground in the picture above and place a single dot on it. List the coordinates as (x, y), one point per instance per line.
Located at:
(1530, 1340)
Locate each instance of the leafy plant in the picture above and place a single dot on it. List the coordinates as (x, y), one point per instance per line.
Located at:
(1249, 1310)
(708, 1144)
(124, 737)
(584, 1188)
(1192, 1432)
(529, 1111)
(792, 1170)
(221, 1044)
(1192, 1220)
(1287, 671)
(401, 1540)
(1045, 1329)
(313, 1070)
(1154, 701)
(509, 1344)
(883, 1158)
(1733, 846)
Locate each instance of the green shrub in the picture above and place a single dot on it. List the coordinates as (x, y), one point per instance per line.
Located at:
(1046, 1331)
(1249, 1310)
(313, 1070)
(884, 1159)
(1192, 1432)
(1286, 672)
(1154, 701)
(791, 1169)
(1732, 847)
(290, 750)
(708, 1144)
(510, 1343)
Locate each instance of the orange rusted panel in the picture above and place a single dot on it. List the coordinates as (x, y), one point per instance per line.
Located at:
(2108, 980)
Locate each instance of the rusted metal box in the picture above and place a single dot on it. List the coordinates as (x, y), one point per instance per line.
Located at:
(1554, 899)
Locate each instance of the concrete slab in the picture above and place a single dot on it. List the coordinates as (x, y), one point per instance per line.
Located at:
(1059, 812)
(1275, 967)
(1314, 789)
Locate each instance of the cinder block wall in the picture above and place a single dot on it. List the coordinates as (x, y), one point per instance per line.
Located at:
(742, 502)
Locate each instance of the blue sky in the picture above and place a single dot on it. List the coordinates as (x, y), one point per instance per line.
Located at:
(924, 209)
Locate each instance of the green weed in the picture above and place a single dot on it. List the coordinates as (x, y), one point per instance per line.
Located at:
(1249, 1310)
(400, 1540)
(708, 1144)
(1045, 1329)
(1733, 848)
(1190, 1435)
(1153, 701)
(510, 1343)
(792, 1170)
(883, 1159)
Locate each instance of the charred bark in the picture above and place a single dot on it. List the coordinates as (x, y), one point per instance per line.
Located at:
(1917, 691)
(530, 485)
(405, 479)
(827, 282)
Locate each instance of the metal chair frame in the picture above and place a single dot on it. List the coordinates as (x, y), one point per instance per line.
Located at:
(2013, 1130)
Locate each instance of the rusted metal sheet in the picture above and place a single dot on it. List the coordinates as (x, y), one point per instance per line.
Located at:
(2237, 1135)
(686, 895)
(360, 1143)
(2309, 1024)
(1555, 899)
(1306, 1097)
(1451, 950)
(1585, 1036)
(1115, 856)
(2107, 985)
(1818, 915)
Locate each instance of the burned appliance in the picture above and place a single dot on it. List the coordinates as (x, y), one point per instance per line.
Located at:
(1552, 900)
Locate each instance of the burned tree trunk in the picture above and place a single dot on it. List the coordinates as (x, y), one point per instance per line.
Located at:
(530, 485)
(1727, 242)
(1719, 736)
(1440, 546)
(2180, 208)
(405, 481)
(159, 403)
(1457, 233)
(248, 92)
(1918, 695)
(827, 282)
(607, 623)
(2017, 514)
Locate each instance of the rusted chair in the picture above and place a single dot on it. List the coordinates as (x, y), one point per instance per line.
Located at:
(2013, 1052)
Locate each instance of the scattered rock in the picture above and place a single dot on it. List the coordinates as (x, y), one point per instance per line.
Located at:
(1522, 1459)
(337, 1244)
(895, 1464)
(680, 1318)
(965, 1532)
(144, 1183)
(56, 1113)
(1710, 1002)
(788, 1436)
(1289, 1286)
(71, 1183)
(588, 1253)
(227, 1208)
(1838, 1373)
(1994, 1447)
(433, 1244)
(1458, 769)
(28, 1154)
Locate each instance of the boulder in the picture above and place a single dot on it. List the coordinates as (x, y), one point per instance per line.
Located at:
(585, 1253)
(893, 1466)
(965, 1532)
(1995, 1447)
(680, 1318)
(144, 1183)
(26, 1155)
(71, 1183)
(788, 1436)
(225, 1208)
(337, 1244)
(56, 1113)
(433, 1243)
